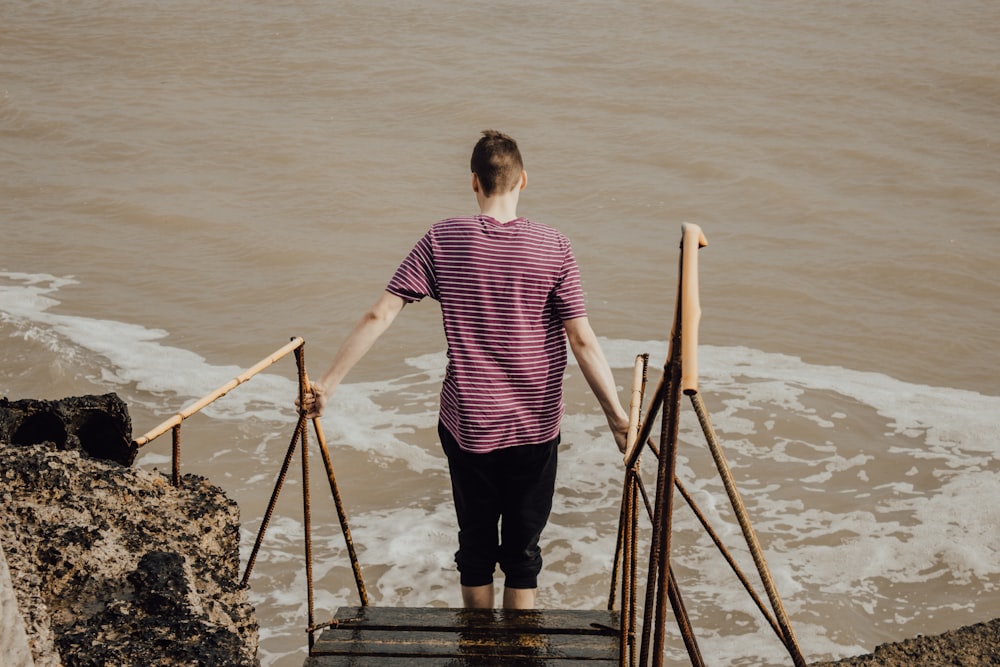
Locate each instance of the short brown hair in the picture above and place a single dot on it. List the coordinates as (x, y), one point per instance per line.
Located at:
(497, 162)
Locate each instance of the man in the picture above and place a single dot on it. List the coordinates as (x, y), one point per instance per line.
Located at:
(510, 296)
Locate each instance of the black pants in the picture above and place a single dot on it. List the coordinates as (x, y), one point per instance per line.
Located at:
(511, 487)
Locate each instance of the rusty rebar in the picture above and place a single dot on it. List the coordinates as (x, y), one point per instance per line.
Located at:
(683, 622)
(175, 457)
(727, 555)
(659, 558)
(279, 482)
(341, 514)
(306, 496)
(786, 636)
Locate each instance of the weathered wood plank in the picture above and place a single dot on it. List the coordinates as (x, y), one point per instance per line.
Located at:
(552, 621)
(441, 637)
(470, 661)
(467, 642)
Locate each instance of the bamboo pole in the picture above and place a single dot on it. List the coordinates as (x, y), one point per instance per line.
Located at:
(203, 402)
(635, 403)
(625, 551)
(635, 406)
(680, 376)
(690, 305)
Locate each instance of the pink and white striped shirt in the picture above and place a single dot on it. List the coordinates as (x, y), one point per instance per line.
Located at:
(505, 290)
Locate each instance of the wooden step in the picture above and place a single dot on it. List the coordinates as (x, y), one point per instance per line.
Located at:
(438, 636)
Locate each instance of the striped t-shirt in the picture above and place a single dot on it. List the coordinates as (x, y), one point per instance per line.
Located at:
(505, 290)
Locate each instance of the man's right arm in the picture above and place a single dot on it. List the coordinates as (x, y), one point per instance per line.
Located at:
(372, 324)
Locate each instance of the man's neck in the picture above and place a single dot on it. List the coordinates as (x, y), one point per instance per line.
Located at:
(502, 207)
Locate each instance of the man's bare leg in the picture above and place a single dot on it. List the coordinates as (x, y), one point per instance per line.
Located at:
(478, 597)
(519, 598)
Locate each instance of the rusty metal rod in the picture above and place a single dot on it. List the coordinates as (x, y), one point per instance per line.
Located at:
(307, 527)
(727, 555)
(628, 570)
(621, 557)
(175, 458)
(626, 549)
(787, 636)
(619, 562)
(668, 435)
(341, 514)
(306, 498)
(633, 575)
(683, 622)
(305, 387)
(647, 425)
(279, 482)
(655, 606)
(634, 419)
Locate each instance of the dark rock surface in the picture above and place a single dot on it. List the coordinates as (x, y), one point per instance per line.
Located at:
(98, 425)
(112, 565)
(972, 646)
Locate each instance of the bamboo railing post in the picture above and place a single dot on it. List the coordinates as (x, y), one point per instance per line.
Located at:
(676, 376)
(626, 549)
(209, 398)
(635, 405)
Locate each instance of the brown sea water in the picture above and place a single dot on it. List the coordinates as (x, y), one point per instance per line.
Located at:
(186, 185)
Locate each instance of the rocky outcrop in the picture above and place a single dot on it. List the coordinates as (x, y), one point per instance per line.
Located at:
(972, 646)
(97, 425)
(112, 565)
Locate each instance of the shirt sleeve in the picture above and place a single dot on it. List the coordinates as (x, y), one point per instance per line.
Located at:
(414, 279)
(567, 297)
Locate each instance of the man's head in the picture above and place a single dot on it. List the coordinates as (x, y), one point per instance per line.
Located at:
(496, 162)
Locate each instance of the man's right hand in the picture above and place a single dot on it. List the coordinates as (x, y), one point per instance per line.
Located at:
(314, 401)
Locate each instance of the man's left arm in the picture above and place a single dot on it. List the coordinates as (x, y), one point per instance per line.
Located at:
(587, 350)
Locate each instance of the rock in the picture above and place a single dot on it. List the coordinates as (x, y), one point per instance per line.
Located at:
(14, 651)
(99, 425)
(972, 646)
(114, 566)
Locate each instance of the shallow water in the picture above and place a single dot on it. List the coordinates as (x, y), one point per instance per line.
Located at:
(187, 185)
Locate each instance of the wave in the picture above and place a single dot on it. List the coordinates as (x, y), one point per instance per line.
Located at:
(867, 491)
